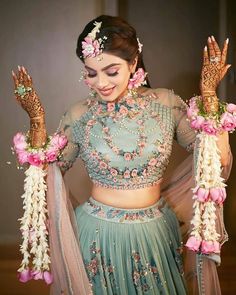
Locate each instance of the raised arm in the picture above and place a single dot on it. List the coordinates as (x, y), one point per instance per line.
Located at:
(213, 71)
(30, 102)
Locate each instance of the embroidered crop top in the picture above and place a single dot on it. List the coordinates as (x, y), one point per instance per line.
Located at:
(126, 145)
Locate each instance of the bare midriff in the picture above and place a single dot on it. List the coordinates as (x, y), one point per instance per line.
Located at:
(128, 199)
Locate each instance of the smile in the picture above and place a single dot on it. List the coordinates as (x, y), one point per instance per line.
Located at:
(106, 92)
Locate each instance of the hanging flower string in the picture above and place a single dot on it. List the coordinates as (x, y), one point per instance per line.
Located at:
(34, 223)
(209, 191)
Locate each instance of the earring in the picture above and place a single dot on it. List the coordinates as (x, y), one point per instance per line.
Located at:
(138, 79)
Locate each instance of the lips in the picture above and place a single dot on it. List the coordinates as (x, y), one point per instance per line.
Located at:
(106, 92)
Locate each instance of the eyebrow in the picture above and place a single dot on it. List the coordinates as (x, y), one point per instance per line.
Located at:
(105, 68)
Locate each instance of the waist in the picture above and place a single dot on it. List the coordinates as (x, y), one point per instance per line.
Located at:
(123, 215)
(137, 198)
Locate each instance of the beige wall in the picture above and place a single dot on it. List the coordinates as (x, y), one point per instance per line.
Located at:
(42, 36)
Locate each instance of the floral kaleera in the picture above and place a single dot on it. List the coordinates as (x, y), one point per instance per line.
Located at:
(34, 223)
(209, 191)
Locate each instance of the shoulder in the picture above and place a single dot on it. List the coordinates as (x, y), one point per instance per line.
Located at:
(77, 109)
(165, 97)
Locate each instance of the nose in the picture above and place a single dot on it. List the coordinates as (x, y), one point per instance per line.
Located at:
(102, 81)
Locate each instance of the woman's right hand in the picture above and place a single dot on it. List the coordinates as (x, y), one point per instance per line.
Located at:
(26, 95)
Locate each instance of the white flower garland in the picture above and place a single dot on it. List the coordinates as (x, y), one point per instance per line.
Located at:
(209, 191)
(34, 230)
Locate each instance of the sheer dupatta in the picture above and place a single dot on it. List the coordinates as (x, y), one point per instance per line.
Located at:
(67, 264)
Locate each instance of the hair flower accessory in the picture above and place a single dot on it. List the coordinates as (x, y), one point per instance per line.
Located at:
(140, 46)
(209, 191)
(34, 223)
(92, 46)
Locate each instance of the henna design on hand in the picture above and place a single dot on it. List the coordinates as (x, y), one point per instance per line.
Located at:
(25, 93)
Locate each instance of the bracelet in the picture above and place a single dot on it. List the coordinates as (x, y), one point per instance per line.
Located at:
(221, 119)
(38, 156)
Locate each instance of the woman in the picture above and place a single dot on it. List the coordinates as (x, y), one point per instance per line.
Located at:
(128, 236)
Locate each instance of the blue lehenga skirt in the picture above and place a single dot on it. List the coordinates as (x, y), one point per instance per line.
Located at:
(131, 251)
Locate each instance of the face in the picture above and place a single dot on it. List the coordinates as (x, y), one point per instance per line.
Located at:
(108, 75)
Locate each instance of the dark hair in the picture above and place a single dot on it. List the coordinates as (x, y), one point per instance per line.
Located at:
(121, 39)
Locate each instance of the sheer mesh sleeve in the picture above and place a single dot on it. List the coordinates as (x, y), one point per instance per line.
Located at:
(71, 150)
(184, 134)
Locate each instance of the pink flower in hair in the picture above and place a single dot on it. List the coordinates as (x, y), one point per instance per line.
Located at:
(193, 243)
(138, 79)
(90, 48)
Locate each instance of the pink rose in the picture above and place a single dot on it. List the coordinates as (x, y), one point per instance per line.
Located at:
(19, 142)
(36, 159)
(197, 122)
(90, 48)
(210, 247)
(202, 194)
(59, 141)
(138, 79)
(110, 106)
(51, 155)
(209, 128)
(193, 243)
(127, 174)
(231, 107)
(218, 194)
(25, 275)
(22, 157)
(228, 121)
(127, 156)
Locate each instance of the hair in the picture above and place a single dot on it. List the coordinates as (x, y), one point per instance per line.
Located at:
(121, 39)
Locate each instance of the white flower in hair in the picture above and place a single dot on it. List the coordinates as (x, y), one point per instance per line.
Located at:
(95, 30)
(140, 46)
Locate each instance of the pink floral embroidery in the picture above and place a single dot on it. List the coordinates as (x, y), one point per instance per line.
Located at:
(127, 174)
(123, 110)
(152, 162)
(127, 156)
(113, 172)
(134, 172)
(110, 106)
(103, 165)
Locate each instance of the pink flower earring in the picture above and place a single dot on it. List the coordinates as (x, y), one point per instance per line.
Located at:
(137, 79)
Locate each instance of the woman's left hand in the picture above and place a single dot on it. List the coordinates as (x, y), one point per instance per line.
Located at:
(214, 67)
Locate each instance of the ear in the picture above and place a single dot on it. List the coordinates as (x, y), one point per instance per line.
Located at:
(133, 65)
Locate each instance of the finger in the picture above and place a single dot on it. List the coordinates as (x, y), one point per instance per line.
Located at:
(205, 56)
(224, 71)
(216, 47)
(15, 80)
(211, 48)
(20, 72)
(224, 52)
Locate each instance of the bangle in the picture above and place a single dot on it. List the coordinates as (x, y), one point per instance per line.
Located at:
(222, 119)
(35, 156)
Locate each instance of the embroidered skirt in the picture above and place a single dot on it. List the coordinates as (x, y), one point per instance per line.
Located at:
(131, 251)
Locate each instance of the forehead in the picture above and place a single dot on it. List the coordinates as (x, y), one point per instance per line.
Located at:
(103, 60)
